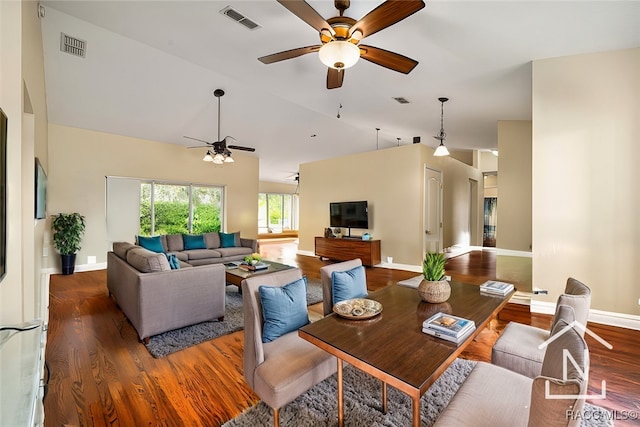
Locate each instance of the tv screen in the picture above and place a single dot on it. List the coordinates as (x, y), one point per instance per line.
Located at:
(349, 214)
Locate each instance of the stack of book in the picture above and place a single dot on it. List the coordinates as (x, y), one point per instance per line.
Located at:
(448, 327)
(493, 287)
(256, 267)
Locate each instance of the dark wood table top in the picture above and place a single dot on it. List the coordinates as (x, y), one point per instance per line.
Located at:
(273, 267)
(392, 346)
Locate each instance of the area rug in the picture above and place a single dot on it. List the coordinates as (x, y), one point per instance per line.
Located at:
(362, 393)
(179, 339)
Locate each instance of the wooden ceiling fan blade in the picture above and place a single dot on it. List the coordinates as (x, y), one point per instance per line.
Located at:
(385, 15)
(288, 54)
(199, 140)
(241, 148)
(334, 78)
(391, 60)
(304, 11)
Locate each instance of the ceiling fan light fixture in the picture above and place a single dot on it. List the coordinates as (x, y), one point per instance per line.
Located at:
(207, 157)
(229, 159)
(218, 159)
(339, 54)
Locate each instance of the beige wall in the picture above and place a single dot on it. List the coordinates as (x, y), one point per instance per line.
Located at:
(586, 203)
(391, 180)
(276, 187)
(22, 97)
(80, 159)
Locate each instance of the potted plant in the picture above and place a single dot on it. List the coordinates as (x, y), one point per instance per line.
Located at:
(433, 287)
(67, 235)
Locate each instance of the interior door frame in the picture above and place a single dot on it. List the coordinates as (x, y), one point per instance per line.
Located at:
(427, 172)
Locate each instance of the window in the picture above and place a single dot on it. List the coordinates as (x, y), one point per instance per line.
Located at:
(277, 212)
(167, 208)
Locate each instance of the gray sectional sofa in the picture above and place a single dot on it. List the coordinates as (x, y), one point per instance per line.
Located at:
(213, 253)
(156, 298)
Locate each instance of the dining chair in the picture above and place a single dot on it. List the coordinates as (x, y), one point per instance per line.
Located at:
(518, 347)
(278, 364)
(351, 280)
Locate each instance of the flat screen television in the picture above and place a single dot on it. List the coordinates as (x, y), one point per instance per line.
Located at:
(349, 214)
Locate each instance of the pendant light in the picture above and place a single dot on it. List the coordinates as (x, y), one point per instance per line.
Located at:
(441, 150)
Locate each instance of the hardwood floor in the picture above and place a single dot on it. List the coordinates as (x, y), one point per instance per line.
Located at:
(102, 375)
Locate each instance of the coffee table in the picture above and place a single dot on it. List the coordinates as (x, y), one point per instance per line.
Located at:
(235, 276)
(392, 346)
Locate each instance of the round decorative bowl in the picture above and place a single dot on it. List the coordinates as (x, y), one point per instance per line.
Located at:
(434, 291)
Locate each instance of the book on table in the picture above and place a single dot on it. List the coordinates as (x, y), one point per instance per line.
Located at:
(256, 267)
(448, 324)
(450, 337)
(496, 288)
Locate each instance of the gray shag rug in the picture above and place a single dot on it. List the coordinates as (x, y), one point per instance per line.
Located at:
(179, 339)
(362, 403)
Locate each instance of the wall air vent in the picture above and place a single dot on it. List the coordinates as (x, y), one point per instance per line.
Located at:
(401, 100)
(240, 18)
(72, 45)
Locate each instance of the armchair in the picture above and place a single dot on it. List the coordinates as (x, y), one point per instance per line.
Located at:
(517, 348)
(282, 369)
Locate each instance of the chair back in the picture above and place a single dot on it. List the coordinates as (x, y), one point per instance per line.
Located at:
(325, 277)
(578, 296)
(562, 385)
(252, 309)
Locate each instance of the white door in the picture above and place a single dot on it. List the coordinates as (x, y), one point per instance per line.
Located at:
(432, 211)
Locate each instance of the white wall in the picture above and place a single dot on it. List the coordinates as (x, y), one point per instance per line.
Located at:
(79, 161)
(586, 203)
(391, 180)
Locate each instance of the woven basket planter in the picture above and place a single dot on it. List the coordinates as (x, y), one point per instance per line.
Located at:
(434, 292)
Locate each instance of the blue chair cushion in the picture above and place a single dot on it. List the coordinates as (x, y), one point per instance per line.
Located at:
(151, 243)
(348, 284)
(193, 241)
(284, 309)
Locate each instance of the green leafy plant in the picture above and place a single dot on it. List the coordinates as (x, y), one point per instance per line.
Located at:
(67, 232)
(433, 266)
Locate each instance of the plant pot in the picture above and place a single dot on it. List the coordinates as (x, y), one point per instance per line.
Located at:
(68, 263)
(434, 292)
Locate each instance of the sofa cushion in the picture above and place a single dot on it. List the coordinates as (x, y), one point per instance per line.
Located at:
(147, 261)
(202, 253)
(237, 250)
(212, 240)
(153, 243)
(348, 284)
(284, 309)
(174, 263)
(193, 241)
(229, 240)
(121, 248)
(174, 242)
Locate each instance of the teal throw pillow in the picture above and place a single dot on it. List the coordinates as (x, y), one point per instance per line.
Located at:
(227, 240)
(151, 243)
(173, 261)
(348, 284)
(193, 241)
(284, 309)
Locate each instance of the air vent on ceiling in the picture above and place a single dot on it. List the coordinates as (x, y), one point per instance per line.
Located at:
(401, 100)
(72, 45)
(240, 18)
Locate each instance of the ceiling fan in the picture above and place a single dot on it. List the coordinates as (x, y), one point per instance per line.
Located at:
(221, 153)
(340, 37)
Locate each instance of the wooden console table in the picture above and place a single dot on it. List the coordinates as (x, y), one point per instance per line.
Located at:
(345, 249)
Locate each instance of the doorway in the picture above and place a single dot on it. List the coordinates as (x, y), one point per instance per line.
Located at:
(432, 216)
(490, 229)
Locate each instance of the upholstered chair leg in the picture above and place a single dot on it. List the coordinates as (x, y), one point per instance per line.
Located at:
(384, 397)
(276, 417)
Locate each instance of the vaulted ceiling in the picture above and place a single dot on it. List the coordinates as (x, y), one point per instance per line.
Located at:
(151, 68)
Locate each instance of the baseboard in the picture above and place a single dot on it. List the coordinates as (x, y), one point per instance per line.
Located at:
(622, 320)
(77, 269)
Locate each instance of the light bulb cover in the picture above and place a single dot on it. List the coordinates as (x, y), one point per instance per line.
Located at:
(339, 54)
(218, 159)
(207, 157)
(228, 159)
(441, 150)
